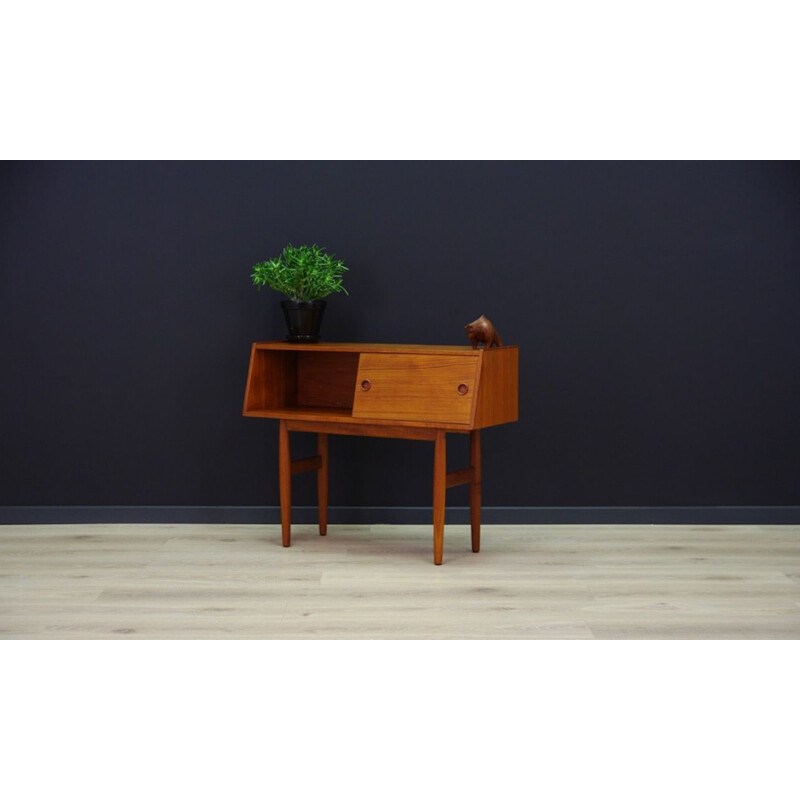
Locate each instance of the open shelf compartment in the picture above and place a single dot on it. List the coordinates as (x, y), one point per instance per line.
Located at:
(447, 386)
(298, 380)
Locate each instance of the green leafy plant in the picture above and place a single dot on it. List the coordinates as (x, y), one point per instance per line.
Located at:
(301, 273)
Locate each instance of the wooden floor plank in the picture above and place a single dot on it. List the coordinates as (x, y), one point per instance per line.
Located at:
(378, 582)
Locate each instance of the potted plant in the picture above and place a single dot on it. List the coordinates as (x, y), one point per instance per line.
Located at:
(305, 275)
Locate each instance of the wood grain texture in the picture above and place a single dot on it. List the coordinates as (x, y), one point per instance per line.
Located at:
(326, 414)
(475, 489)
(348, 428)
(497, 402)
(439, 494)
(389, 391)
(326, 378)
(416, 387)
(271, 381)
(322, 483)
(306, 464)
(451, 387)
(376, 582)
(458, 477)
(368, 347)
(285, 483)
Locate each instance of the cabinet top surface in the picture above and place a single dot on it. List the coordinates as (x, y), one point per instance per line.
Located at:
(361, 347)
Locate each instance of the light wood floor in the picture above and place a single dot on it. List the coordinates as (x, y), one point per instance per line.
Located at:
(379, 582)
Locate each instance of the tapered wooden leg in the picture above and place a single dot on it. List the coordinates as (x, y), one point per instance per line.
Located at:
(285, 474)
(475, 489)
(322, 483)
(439, 487)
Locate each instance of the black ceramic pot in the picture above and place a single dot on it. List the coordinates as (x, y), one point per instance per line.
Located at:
(303, 319)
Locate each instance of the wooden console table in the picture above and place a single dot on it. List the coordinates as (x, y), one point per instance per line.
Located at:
(391, 390)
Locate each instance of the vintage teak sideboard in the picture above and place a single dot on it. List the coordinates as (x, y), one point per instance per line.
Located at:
(390, 390)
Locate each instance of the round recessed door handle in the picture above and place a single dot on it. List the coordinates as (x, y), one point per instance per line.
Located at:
(366, 385)
(463, 388)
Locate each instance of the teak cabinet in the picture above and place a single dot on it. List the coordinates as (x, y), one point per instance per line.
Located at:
(391, 390)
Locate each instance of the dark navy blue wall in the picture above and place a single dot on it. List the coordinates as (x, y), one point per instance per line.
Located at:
(656, 305)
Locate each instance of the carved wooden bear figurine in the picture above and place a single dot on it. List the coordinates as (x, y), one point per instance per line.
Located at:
(482, 330)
